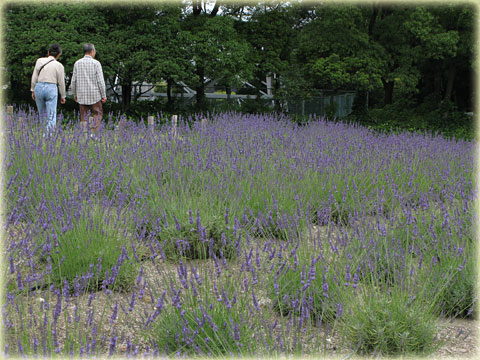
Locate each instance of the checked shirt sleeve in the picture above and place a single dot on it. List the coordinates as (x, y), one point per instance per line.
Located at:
(101, 81)
(73, 85)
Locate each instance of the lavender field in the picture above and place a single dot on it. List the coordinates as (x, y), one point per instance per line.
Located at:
(248, 236)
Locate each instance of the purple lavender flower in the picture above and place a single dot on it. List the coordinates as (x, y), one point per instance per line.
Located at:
(255, 303)
(12, 266)
(177, 224)
(339, 310)
(132, 301)
(113, 317)
(190, 216)
(217, 295)
(99, 265)
(226, 216)
(19, 280)
(90, 299)
(195, 275)
(113, 344)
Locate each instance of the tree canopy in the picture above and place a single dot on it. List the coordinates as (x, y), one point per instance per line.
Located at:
(390, 50)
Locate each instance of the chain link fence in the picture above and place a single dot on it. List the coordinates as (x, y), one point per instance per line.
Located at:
(329, 105)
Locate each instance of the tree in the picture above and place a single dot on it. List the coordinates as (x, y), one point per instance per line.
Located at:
(172, 63)
(269, 29)
(335, 50)
(445, 37)
(30, 29)
(413, 52)
(410, 36)
(215, 51)
(135, 49)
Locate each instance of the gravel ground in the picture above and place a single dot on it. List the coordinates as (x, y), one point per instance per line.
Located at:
(460, 335)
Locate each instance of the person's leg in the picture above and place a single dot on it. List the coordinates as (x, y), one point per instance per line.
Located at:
(51, 98)
(97, 111)
(40, 101)
(84, 115)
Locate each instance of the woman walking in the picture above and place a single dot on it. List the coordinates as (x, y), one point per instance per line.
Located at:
(48, 78)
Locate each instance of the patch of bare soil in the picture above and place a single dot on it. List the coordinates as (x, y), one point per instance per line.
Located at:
(461, 338)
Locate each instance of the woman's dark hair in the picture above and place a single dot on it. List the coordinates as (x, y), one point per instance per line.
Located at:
(55, 49)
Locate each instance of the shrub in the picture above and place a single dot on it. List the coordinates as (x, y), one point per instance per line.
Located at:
(214, 332)
(389, 323)
(458, 297)
(93, 246)
(311, 286)
(448, 280)
(446, 268)
(204, 326)
(189, 242)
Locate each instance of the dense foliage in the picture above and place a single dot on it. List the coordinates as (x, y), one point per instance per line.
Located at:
(243, 234)
(411, 57)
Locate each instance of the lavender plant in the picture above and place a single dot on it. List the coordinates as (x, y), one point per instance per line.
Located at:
(92, 251)
(249, 235)
(389, 323)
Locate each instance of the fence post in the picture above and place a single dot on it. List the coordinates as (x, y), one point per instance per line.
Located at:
(174, 125)
(151, 123)
(121, 125)
(84, 126)
(91, 122)
(9, 115)
(204, 124)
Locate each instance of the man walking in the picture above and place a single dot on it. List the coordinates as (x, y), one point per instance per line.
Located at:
(88, 87)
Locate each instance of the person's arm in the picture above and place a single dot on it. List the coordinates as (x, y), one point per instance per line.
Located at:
(101, 82)
(34, 79)
(61, 83)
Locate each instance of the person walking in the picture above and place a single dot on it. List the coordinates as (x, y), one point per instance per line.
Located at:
(48, 79)
(88, 87)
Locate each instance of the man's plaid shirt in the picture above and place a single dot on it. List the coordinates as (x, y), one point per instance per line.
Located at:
(88, 84)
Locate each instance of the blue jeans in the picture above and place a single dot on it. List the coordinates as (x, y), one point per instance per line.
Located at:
(46, 95)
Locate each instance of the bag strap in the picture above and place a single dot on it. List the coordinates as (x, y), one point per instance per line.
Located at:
(44, 66)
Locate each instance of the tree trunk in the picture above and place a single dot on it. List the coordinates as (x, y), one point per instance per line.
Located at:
(200, 96)
(215, 9)
(15, 95)
(197, 7)
(276, 102)
(126, 94)
(112, 86)
(169, 90)
(69, 82)
(437, 84)
(169, 94)
(452, 70)
(437, 79)
(386, 10)
(388, 89)
(373, 19)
